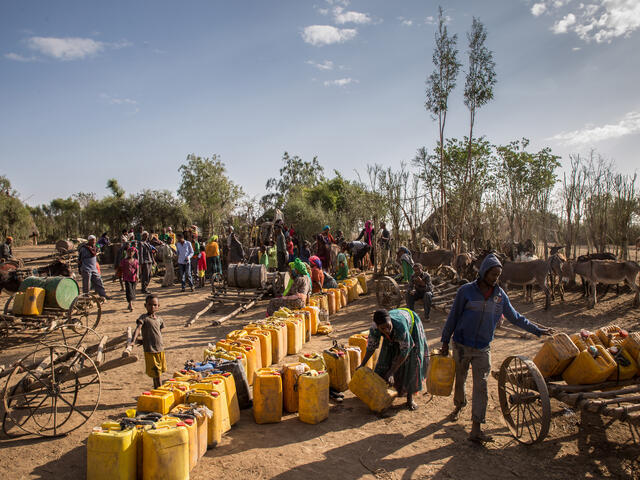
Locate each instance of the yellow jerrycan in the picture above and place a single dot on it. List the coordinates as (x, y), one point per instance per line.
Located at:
(165, 453)
(626, 366)
(266, 349)
(290, 374)
(199, 415)
(331, 301)
(305, 317)
(344, 294)
(362, 280)
(441, 374)
(612, 335)
(313, 396)
(236, 334)
(267, 396)
(192, 430)
(555, 355)
(355, 357)
(591, 366)
(186, 375)
(584, 338)
(18, 303)
(231, 395)
(250, 355)
(294, 335)
(337, 294)
(337, 361)
(371, 388)
(278, 348)
(213, 401)
(253, 341)
(632, 345)
(359, 340)
(216, 385)
(314, 360)
(314, 317)
(178, 388)
(225, 344)
(33, 302)
(159, 401)
(112, 454)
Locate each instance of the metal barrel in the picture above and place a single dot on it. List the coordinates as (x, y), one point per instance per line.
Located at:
(243, 275)
(60, 291)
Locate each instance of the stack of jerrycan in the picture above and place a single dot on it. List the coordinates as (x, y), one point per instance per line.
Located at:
(344, 294)
(590, 366)
(336, 359)
(314, 313)
(267, 396)
(613, 339)
(295, 329)
(331, 301)
(313, 396)
(192, 431)
(360, 340)
(290, 375)
(612, 335)
(362, 279)
(238, 373)
(441, 374)
(632, 346)
(371, 388)
(214, 402)
(199, 415)
(555, 355)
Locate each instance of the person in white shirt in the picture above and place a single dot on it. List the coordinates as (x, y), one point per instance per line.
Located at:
(185, 252)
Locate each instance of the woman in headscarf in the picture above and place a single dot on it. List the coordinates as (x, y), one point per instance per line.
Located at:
(405, 260)
(404, 356)
(368, 235)
(317, 275)
(299, 287)
(343, 267)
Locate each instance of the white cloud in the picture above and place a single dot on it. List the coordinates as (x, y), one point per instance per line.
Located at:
(629, 125)
(430, 20)
(19, 58)
(562, 26)
(538, 9)
(575, 49)
(341, 17)
(326, 65)
(65, 48)
(599, 20)
(407, 23)
(319, 35)
(340, 82)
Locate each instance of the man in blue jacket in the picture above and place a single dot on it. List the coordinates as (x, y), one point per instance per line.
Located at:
(472, 321)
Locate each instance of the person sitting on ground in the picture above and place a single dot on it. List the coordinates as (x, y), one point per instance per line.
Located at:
(299, 287)
(343, 267)
(150, 325)
(329, 281)
(420, 288)
(473, 318)
(317, 275)
(129, 269)
(404, 356)
(6, 251)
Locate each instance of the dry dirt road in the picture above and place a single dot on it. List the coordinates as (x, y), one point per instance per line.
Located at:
(351, 443)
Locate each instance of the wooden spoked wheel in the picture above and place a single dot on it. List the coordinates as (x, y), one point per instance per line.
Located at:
(85, 310)
(8, 305)
(388, 293)
(50, 392)
(524, 400)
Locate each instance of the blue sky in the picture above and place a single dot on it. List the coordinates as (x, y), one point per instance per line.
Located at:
(91, 90)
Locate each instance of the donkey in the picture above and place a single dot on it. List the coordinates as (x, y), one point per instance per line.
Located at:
(527, 273)
(557, 270)
(433, 259)
(609, 273)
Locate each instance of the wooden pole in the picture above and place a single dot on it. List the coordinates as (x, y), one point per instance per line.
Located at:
(241, 309)
(193, 319)
(100, 353)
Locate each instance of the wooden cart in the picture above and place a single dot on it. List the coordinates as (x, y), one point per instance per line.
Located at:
(526, 406)
(56, 387)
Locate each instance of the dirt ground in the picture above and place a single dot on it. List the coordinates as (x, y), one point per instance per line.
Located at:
(352, 442)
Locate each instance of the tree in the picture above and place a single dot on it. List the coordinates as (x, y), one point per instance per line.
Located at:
(572, 193)
(478, 89)
(295, 173)
(440, 84)
(116, 190)
(207, 190)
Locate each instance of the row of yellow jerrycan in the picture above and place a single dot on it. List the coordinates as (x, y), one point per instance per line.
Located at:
(29, 302)
(150, 447)
(333, 299)
(587, 358)
(295, 388)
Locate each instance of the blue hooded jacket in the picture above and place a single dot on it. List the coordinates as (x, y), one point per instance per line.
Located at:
(472, 320)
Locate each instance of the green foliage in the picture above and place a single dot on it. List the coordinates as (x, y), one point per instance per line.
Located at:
(116, 190)
(295, 173)
(14, 217)
(207, 190)
(481, 74)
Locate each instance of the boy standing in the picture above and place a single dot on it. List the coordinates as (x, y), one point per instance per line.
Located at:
(150, 325)
(129, 271)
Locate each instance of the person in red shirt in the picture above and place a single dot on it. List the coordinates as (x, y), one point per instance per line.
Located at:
(202, 267)
(290, 249)
(317, 275)
(129, 267)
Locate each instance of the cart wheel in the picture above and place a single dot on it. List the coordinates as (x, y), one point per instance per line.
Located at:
(85, 310)
(388, 293)
(8, 306)
(53, 398)
(524, 399)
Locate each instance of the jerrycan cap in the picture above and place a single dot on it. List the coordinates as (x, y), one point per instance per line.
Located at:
(146, 393)
(188, 421)
(172, 380)
(216, 382)
(320, 372)
(215, 394)
(584, 333)
(226, 374)
(97, 429)
(623, 333)
(182, 387)
(593, 351)
(341, 354)
(614, 350)
(238, 357)
(308, 355)
(181, 424)
(183, 371)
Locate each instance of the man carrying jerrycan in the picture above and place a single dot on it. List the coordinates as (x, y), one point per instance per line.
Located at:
(472, 321)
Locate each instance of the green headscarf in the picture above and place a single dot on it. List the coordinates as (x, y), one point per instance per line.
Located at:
(299, 267)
